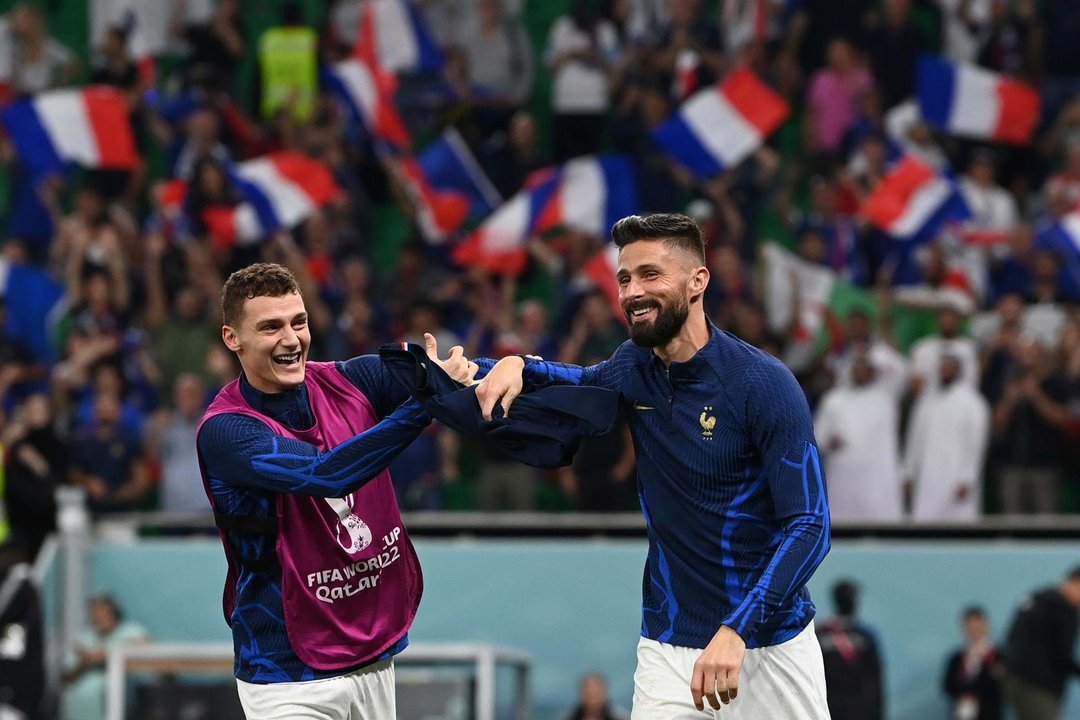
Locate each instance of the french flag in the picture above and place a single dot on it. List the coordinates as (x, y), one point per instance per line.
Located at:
(718, 127)
(448, 187)
(88, 126)
(394, 35)
(280, 190)
(913, 201)
(601, 269)
(1063, 237)
(368, 92)
(972, 102)
(588, 193)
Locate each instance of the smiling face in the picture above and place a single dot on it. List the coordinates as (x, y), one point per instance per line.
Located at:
(657, 283)
(271, 338)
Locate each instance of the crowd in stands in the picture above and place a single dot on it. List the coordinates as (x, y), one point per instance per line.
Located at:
(948, 388)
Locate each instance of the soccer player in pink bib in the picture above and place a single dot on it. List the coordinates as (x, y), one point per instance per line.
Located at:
(323, 581)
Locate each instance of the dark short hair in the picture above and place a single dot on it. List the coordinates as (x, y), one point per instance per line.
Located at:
(257, 280)
(1073, 574)
(672, 228)
(974, 611)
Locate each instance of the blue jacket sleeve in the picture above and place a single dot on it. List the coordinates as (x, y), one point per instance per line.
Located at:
(780, 423)
(371, 377)
(241, 451)
(541, 373)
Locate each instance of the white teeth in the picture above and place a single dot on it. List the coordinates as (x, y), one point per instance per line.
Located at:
(287, 359)
(642, 311)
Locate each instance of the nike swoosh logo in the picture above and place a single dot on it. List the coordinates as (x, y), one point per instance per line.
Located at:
(643, 407)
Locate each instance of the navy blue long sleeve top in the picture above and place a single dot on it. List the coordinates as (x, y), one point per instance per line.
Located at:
(731, 486)
(247, 465)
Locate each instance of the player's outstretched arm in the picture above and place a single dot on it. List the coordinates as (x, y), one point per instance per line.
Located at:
(239, 450)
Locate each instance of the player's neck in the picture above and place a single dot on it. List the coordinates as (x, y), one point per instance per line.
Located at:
(693, 336)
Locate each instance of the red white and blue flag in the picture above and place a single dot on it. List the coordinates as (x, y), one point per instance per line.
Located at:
(720, 126)
(280, 191)
(448, 187)
(588, 194)
(89, 127)
(973, 102)
(394, 36)
(368, 91)
(914, 201)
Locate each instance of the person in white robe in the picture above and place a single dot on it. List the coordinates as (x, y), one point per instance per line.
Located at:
(946, 447)
(858, 429)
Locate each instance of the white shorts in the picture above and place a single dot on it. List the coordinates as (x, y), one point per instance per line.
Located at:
(365, 694)
(780, 682)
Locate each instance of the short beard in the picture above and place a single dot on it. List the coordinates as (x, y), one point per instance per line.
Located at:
(669, 321)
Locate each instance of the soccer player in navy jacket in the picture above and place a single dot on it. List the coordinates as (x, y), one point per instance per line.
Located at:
(730, 483)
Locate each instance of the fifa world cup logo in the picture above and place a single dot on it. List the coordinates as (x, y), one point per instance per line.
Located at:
(353, 534)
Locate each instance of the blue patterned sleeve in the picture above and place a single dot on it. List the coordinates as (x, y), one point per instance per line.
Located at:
(541, 373)
(241, 451)
(371, 377)
(780, 423)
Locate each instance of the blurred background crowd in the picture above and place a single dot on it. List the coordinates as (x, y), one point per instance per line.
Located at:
(944, 373)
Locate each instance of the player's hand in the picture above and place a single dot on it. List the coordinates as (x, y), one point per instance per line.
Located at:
(456, 365)
(500, 386)
(716, 672)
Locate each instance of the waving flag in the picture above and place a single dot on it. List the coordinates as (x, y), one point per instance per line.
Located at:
(394, 36)
(284, 188)
(972, 102)
(913, 201)
(448, 187)
(720, 126)
(601, 269)
(368, 91)
(89, 126)
(280, 190)
(587, 193)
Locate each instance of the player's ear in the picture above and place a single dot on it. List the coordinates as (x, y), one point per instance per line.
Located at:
(699, 280)
(230, 337)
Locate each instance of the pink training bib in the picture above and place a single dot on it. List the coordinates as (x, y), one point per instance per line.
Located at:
(350, 578)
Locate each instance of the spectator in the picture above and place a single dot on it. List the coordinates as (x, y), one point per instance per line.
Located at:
(832, 100)
(217, 46)
(945, 449)
(288, 65)
(858, 426)
(38, 62)
(595, 333)
(973, 673)
(84, 696)
(1039, 650)
(928, 353)
(889, 364)
(962, 23)
(688, 55)
(853, 667)
(22, 643)
(993, 209)
(108, 462)
(1004, 41)
(582, 50)
(894, 44)
(593, 701)
(512, 156)
(499, 63)
(36, 465)
(171, 447)
(1027, 421)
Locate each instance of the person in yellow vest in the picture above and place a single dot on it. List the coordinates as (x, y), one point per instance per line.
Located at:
(288, 65)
